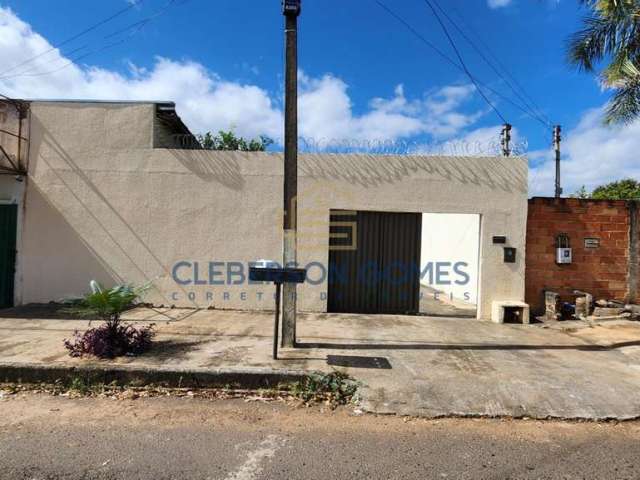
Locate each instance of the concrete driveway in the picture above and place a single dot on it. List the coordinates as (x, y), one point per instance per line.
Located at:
(411, 365)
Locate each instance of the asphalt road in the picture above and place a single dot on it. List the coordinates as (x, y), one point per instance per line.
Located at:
(45, 437)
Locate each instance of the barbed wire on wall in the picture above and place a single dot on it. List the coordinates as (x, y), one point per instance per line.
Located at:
(490, 148)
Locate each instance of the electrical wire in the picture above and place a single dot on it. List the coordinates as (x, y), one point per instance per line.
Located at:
(449, 60)
(497, 60)
(464, 66)
(131, 5)
(70, 62)
(139, 25)
(517, 89)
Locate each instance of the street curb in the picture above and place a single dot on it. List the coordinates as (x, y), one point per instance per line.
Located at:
(249, 378)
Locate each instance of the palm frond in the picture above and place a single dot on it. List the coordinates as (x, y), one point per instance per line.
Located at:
(625, 105)
(611, 34)
(107, 303)
(616, 73)
(630, 69)
(591, 44)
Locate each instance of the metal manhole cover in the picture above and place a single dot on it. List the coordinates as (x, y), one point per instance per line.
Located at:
(358, 362)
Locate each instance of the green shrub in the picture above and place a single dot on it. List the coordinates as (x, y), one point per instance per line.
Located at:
(335, 388)
(112, 339)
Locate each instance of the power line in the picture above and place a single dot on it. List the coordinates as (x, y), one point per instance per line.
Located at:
(497, 60)
(517, 89)
(30, 73)
(131, 5)
(449, 60)
(142, 23)
(464, 66)
(139, 26)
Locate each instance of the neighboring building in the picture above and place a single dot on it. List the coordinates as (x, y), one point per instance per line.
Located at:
(111, 196)
(604, 239)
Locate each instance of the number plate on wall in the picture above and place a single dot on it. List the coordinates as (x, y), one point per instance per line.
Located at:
(591, 242)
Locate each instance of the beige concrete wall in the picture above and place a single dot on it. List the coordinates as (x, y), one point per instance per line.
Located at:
(101, 203)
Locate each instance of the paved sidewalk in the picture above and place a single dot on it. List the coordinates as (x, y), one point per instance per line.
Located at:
(408, 365)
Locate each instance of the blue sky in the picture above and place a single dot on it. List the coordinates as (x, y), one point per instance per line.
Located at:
(364, 77)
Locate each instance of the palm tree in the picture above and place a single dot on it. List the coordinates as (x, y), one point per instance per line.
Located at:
(611, 34)
(108, 304)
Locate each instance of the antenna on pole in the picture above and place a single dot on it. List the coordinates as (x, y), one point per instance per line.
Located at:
(556, 146)
(505, 139)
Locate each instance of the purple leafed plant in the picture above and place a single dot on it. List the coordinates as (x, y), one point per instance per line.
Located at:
(111, 339)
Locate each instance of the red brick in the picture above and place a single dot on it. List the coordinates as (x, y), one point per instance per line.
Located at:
(601, 271)
(614, 227)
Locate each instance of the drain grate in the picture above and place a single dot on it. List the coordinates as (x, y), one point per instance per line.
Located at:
(358, 362)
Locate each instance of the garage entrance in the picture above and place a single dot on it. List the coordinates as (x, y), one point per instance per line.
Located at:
(374, 261)
(449, 264)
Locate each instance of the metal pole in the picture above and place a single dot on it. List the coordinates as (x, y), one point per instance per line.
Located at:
(291, 10)
(506, 139)
(20, 116)
(556, 146)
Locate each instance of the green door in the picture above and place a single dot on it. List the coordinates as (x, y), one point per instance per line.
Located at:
(8, 222)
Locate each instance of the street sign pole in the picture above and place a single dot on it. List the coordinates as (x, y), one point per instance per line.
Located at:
(279, 276)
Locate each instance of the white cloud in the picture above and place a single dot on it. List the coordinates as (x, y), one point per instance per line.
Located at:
(442, 116)
(208, 102)
(326, 112)
(592, 154)
(498, 3)
(327, 117)
(205, 100)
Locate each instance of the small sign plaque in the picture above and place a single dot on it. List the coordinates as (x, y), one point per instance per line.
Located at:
(591, 242)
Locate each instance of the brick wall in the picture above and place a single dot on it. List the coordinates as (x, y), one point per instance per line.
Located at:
(602, 271)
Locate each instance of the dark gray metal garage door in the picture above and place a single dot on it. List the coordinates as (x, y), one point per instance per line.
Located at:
(379, 271)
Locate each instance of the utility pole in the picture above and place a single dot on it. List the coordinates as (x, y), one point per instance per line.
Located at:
(291, 11)
(556, 146)
(505, 140)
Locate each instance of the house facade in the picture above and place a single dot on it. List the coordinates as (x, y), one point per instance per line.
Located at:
(118, 192)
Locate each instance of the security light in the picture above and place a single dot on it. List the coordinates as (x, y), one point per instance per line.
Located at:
(291, 7)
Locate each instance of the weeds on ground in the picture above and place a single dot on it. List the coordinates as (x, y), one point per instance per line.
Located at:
(81, 386)
(335, 388)
(75, 387)
(332, 389)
